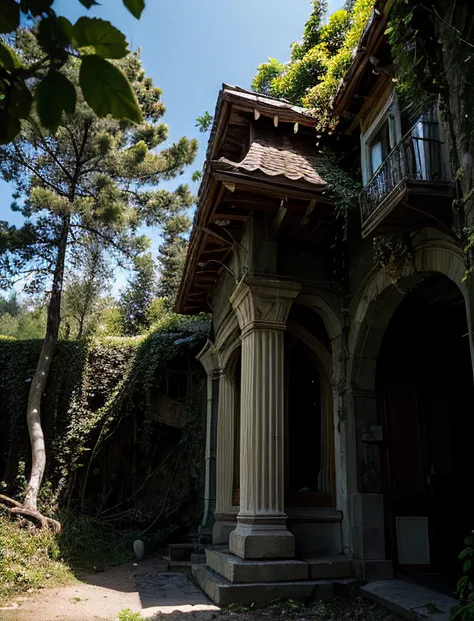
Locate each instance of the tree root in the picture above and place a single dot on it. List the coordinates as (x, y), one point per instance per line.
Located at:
(30, 514)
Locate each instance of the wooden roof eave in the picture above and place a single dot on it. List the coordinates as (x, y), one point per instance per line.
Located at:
(368, 45)
(278, 185)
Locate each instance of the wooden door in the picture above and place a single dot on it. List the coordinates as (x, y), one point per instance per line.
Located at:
(407, 478)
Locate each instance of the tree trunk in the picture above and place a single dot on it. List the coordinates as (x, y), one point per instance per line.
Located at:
(33, 416)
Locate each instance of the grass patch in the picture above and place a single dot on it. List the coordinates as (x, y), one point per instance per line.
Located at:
(29, 559)
(34, 559)
(128, 615)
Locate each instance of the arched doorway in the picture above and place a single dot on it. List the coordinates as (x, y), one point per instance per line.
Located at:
(425, 397)
(308, 411)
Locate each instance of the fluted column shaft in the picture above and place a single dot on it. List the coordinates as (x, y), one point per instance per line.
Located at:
(262, 307)
(262, 425)
(225, 444)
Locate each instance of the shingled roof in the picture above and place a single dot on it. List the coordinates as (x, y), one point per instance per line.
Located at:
(277, 157)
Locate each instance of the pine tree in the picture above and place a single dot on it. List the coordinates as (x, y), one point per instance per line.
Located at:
(84, 293)
(93, 181)
(136, 299)
(172, 255)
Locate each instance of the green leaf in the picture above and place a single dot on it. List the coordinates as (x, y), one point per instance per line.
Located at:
(9, 15)
(19, 101)
(9, 127)
(38, 7)
(107, 90)
(107, 40)
(67, 29)
(466, 566)
(55, 35)
(135, 7)
(89, 3)
(54, 95)
(8, 58)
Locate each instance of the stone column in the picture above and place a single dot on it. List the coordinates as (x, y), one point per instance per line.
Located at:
(262, 307)
(225, 459)
(208, 359)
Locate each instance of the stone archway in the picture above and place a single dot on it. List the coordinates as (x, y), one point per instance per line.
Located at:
(371, 314)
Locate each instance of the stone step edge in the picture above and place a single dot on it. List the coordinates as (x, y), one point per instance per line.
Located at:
(223, 592)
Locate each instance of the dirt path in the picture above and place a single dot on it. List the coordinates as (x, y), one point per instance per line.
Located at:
(148, 588)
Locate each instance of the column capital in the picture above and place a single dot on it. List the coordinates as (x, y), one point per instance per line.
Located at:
(262, 303)
(208, 358)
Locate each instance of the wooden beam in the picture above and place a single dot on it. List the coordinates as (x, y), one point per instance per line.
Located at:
(229, 216)
(222, 240)
(279, 219)
(308, 212)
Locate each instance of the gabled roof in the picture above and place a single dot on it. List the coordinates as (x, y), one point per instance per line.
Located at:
(267, 105)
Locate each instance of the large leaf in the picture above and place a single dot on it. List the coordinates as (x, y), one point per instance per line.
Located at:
(55, 35)
(107, 90)
(8, 58)
(54, 95)
(106, 40)
(19, 100)
(38, 7)
(9, 127)
(88, 3)
(9, 15)
(135, 7)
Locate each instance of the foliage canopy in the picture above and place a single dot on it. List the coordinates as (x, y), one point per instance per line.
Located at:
(25, 82)
(318, 62)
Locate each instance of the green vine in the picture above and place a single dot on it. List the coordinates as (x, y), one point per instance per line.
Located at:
(394, 254)
(110, 453)
(434, 65)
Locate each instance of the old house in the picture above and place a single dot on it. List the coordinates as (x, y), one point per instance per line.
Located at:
(339, 421)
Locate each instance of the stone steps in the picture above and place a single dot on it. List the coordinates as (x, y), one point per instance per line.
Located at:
(327, 568)
(223, 592)
(227, 578)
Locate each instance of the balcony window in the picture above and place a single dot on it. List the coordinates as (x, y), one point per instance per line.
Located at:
(409, 186)
(379, 147)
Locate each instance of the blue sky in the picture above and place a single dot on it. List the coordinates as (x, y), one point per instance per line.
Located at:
(190, 48)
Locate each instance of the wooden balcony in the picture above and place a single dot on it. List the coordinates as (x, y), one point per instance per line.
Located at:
(411, 188)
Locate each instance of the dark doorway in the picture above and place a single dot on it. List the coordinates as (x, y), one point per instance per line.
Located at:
(425, 391)
(303, 420)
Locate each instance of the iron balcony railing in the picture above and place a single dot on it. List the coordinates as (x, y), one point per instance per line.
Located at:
(416, 157)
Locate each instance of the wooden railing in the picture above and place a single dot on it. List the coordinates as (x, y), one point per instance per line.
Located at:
(414, 158)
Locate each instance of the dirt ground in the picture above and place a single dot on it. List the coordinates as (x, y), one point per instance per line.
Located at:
(153, 591)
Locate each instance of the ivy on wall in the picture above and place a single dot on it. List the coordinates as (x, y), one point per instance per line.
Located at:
(111, 452)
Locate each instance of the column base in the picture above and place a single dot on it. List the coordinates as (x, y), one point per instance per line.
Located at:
(223, 526)
(262, 538)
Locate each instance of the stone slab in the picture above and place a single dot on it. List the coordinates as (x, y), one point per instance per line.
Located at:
(333, 567)
(237, 570)
(410, 600)
(223, 592)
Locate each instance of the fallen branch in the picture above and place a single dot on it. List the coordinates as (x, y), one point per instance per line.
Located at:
(17, 508)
